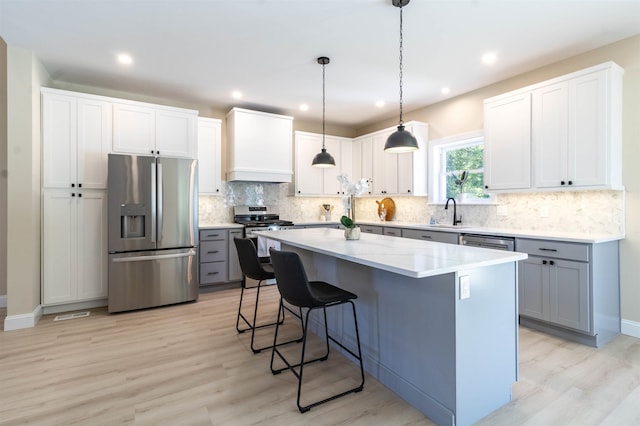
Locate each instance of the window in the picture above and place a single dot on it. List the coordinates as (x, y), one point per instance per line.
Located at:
(457, 167)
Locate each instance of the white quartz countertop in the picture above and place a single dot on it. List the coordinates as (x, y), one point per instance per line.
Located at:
(574, 237)
(219, 225)
(409, 257)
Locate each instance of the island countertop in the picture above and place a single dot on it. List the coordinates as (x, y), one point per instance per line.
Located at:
(412, 258)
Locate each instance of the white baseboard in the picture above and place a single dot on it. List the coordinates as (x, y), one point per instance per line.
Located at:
(16, 322)
(630, 328)
(3, 301)
(77, 306)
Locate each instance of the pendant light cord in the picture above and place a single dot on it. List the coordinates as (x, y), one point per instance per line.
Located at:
(323, 108)
(401, 122)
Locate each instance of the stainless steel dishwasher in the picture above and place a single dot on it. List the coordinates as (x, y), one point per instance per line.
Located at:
(487, 241)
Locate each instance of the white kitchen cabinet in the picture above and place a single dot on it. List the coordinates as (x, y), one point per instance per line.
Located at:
(365, 145)
(385, 165)
(260, 146)
(317, 181)
(412, 166)
(74, 246)
(565, 132)
(576, 132)
(209, 156)
(76, 139)
(570, 289)
(507, 142)
(140, 128)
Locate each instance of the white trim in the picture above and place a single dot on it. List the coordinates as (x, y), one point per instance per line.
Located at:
(16, 322)
(630, 328)
(76, 306)
(3, 301)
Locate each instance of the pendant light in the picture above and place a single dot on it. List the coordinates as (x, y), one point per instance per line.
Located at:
(323, 158)
(401, 140)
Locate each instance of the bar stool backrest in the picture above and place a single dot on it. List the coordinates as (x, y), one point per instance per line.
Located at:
(249, 260)
(292, 280)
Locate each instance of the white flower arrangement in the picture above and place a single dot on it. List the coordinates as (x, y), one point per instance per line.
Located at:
(351, 190)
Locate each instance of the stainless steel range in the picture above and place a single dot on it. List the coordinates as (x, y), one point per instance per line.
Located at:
(258, 219)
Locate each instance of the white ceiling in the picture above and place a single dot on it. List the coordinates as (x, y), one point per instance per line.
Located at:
(200, 50)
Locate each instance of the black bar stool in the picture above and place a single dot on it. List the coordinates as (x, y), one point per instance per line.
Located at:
(252, 267)
(298, 291)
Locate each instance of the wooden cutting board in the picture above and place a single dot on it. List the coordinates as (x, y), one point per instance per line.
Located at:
(389, 206)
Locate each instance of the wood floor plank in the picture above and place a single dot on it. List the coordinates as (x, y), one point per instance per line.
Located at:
(187, 365)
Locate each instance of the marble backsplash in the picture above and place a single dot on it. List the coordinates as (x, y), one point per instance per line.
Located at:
(571, 211)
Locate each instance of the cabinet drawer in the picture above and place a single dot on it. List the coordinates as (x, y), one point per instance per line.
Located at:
(213, 234)
(213, 272)
(213, 251)
(394, 232)
(554, 249)
(371, 229)
(435, 236)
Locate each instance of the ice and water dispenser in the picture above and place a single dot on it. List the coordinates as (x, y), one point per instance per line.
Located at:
(132, 220)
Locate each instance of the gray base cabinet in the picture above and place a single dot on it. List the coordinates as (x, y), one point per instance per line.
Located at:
(435, 236)
(570, 289)
(218, 256)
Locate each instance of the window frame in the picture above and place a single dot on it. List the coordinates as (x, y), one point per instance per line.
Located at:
(437, 187)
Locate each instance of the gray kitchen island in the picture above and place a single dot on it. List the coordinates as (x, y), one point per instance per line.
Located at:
(438, 322)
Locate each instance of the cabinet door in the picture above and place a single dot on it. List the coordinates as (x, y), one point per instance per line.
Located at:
(59, 138)
(356, 160)
(134, 129)
(330, 175)
(385, 166)
(91, 243)
(549, 135)
(59, 251)
(94, 142)
(569, 294)
(309, 179)
(176, 133)
(209, 156)
(533, 287)
(235, 273)
(507, 143)
(367, 161)
(587, 144)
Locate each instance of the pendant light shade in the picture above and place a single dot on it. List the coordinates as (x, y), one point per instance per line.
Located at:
(323, 158)
(401, 140)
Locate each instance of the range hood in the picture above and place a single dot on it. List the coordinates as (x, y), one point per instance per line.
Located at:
(260, 146)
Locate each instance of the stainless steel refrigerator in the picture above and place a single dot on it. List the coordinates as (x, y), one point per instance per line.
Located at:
(153, 231)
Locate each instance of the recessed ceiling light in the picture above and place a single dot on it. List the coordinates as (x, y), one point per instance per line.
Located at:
(125, 59)
(489, 58)
(379, 104)
(236, 94)
(445, 90)
(304, 107)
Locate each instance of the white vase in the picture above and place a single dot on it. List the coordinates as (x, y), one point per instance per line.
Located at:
(352, 233)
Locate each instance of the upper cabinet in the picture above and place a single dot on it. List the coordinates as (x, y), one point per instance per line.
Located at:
(209, 156)
(507, 143)
(140, 128)
(564, 132)
(259, 145)
(76, 136)
(311, 181)
(388, 173)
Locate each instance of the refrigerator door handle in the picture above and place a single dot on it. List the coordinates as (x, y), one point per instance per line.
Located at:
(153, 202)
(159, 203)
(155, 257)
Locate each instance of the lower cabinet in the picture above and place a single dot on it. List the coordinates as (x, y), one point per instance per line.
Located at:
(371, 229)
(570, 289)
(218, 256)
(74, 246)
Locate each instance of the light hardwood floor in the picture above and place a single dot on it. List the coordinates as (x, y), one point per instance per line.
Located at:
(186, 365)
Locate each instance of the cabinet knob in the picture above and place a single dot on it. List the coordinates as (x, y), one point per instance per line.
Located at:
(73, 185)
(544, 262)
(551, 262)
(73, 194)
(79, 195)
(486, 187)
(152, 151)
(570, 182)
(409, 191)
(79, 185)
(561, 182)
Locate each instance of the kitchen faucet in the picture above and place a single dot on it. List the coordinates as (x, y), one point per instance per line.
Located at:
(455, 214)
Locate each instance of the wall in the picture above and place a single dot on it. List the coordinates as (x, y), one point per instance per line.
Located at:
(3, 172)
(25, 75)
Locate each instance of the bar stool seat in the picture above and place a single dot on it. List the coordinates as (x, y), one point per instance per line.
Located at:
(298, 291)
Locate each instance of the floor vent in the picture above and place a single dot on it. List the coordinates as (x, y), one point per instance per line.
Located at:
(71, 316)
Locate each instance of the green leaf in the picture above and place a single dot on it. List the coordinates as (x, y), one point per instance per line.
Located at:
(347, 222)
